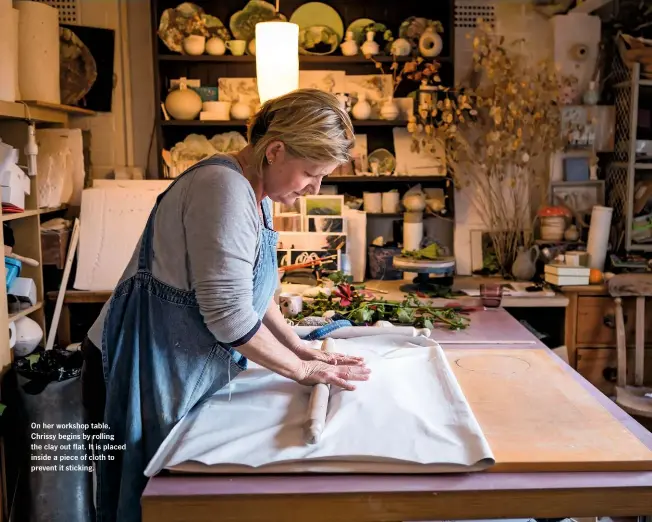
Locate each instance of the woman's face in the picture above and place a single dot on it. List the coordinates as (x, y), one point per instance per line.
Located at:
(286, 177)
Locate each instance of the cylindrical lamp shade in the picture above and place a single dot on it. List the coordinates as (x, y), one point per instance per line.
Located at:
(277, 59)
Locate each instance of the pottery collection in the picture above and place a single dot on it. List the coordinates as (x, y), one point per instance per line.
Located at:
(401, 47)
(240, 110)
(194, 45)
(389, 110)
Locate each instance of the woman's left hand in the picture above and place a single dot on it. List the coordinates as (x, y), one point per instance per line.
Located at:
(307, 353)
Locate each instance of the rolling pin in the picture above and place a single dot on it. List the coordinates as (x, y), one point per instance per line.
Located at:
(318, 404)
(349, 332)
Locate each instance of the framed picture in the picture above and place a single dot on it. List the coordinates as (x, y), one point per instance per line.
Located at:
(311, 241)
(322, 205)
(325, 224)
(294, 257)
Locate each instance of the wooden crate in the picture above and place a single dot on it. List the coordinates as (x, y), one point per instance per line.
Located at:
(54, 247)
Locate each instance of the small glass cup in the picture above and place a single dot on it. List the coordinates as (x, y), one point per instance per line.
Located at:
(491, 295)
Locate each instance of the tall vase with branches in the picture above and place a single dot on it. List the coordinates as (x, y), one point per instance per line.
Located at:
(495, 135)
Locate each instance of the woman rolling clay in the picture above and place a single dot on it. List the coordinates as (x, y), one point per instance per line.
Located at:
(196, 300)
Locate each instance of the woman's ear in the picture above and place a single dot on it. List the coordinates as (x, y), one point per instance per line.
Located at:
(275, 152)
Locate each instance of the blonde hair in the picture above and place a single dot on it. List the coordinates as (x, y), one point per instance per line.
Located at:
(311, 124)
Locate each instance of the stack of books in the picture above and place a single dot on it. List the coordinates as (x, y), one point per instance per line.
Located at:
(564, 275)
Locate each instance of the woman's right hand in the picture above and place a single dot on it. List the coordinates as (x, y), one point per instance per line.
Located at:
(320, 372)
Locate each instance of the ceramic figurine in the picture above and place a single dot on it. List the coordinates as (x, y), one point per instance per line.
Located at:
(591, 96)
(349, 46)
(524, 266)
(389, 110)
(430, 43)
(362, 109)
(400, 47)
(572, 234)
(240, 110)
(215, 46)
(194, 45)
(370, 47)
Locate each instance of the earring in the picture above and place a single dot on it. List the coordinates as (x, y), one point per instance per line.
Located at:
(269, 162)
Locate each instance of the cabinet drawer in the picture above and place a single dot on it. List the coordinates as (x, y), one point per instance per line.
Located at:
(599, 366)
(596, 321)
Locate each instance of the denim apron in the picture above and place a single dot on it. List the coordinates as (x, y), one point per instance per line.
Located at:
(159, 361)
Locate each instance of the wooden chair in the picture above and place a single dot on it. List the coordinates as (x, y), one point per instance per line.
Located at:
(633, 399)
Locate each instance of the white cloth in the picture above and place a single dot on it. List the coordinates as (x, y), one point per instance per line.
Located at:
(409, 417)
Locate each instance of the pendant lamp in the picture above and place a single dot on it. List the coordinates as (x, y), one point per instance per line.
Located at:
(277, 58)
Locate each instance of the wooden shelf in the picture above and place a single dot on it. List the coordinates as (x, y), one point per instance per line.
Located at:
(29, 213)
(383, 179)
(229, 58)
(243, 123)
(40, 111)
(27, 311)
(19, 215)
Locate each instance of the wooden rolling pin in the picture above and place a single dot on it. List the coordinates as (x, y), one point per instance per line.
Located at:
(349, 332)
(318, 405)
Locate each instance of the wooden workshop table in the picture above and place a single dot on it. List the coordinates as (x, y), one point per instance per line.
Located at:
(393, 498)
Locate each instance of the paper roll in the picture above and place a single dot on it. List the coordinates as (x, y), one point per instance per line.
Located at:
(8, 52)
(412, 230)
(356, 243)
(38, 52)
(599, 236)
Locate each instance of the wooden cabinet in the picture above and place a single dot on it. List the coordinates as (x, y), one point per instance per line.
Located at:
(590, 335)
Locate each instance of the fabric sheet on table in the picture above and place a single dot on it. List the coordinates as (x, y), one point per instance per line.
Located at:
(409, 417)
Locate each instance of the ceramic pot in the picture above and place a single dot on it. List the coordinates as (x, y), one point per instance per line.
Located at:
(362, 109)
(552, 228)
(430, 43)
(251, 47)
(370, 47)
(524, 266)
(400, 47)
(237, 47)
(291, 304)
(183, 103)
(414, 202)
(240, 110)
(349, 46)
(194, 45)
(389, 110)
(572, 234)
(219, 110)
(215, 46)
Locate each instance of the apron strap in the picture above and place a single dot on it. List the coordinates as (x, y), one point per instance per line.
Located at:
(146, 246)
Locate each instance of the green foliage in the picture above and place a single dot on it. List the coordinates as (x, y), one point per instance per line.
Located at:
(431, 252)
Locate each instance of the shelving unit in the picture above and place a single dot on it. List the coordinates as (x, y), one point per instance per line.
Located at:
(625, 169)
(26, 225)
(208, 69)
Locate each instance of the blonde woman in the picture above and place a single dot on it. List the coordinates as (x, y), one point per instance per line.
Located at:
(195, 302)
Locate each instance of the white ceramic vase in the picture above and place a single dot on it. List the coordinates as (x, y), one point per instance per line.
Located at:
(430, 43)
(389, 110)
(349, 46)
(183, 103)
(240, 110)
(194, 45)
(215, 46)
(362, 109)
(401, 47)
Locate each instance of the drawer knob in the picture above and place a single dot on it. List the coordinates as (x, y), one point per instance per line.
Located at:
(609, 320)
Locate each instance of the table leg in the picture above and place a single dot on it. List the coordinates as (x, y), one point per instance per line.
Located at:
(570, 329)
(63, 329)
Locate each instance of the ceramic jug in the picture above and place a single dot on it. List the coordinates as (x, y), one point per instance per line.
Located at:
(362, 109)
(524, 266)
(430, 43)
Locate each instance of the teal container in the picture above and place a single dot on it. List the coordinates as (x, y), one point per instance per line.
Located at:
(206, 93)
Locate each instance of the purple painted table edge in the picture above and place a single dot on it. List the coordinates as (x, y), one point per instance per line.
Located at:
(228, 485)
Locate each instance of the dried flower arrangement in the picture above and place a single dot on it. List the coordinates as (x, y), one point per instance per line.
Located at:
(495, 134)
